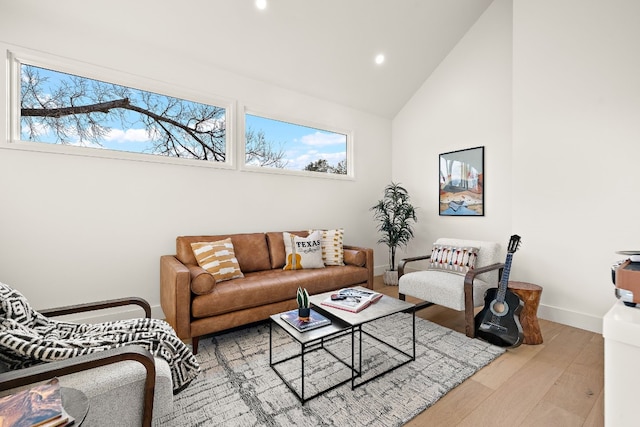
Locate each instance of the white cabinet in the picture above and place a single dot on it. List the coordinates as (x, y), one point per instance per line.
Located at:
(621, 331)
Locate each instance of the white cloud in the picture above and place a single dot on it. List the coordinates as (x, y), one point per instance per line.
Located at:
(209, 125)
(320, 139)
(39, 127)
(130, 135)
(300, 161)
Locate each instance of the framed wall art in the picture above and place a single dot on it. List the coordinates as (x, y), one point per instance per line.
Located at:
(462, 182)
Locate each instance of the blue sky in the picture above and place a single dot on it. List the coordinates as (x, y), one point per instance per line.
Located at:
(301, 144)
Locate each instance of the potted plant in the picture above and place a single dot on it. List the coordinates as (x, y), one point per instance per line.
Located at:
(395, 216)
(302, 297)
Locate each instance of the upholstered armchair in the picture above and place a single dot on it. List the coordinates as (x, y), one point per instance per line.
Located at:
(123, 382)
(450, 283)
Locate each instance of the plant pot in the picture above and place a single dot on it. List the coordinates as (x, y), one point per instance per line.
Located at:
(304, 314)
(390, 278)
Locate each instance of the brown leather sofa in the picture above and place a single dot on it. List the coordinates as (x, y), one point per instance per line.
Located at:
(195, 305)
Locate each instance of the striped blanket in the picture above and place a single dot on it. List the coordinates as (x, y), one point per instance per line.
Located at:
(27, 338)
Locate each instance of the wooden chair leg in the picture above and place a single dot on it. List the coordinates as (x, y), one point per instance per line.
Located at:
(470, 326)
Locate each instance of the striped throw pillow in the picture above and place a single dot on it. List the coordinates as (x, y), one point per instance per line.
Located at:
(452, 259)
(218, 258)
(332, 246)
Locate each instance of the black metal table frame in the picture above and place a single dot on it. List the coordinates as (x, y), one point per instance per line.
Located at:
(318, 344)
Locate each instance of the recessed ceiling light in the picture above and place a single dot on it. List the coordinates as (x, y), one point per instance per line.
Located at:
(261, 4)
(379, 58)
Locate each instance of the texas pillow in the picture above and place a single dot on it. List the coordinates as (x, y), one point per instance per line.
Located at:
(303, 252)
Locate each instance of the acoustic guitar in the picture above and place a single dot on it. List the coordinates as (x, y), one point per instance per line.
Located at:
(499, 320)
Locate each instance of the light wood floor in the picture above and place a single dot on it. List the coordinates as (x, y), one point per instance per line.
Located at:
(557, 383)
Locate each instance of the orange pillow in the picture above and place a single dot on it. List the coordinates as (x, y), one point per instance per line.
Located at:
(218, 258)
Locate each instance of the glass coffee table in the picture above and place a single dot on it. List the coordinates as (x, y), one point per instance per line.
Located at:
(346, 330)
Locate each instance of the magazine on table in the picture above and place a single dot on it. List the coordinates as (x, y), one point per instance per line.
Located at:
(316, 320)
(40, 405)
(351, 299)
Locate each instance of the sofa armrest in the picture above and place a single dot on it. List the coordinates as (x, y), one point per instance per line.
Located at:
(368, 263)
(46, 371)
(100, 305)
(403, 262)
(175, 295)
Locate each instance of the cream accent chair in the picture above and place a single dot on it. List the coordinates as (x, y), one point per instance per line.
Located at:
(455, 291)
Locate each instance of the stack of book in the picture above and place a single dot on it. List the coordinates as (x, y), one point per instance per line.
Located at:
(40, 406)
(314, 321)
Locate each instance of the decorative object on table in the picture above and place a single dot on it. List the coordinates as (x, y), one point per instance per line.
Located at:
(395, 215)
(304, 310)
(235, 365)
(499, 322)
(462, 182)
(625, 275)
(350, 299)
(315, 320)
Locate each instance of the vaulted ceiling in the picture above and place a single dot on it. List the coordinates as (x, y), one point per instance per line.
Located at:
(323, 48)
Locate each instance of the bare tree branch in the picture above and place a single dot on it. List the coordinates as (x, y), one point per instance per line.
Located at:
(103, 107)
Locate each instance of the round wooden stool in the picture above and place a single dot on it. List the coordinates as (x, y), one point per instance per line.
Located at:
(530, 295)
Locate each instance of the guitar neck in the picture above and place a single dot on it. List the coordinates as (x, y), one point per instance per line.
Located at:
(504, 280)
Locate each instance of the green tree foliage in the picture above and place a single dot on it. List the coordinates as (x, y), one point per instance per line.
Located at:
(322, 165)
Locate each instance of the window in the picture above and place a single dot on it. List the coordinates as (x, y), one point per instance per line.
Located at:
(56, 108)
(280, 145)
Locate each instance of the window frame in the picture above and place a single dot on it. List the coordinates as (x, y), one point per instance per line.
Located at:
(350, 175)
(17, 57)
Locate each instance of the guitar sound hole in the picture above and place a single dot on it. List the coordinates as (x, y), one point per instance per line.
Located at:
(499, 308)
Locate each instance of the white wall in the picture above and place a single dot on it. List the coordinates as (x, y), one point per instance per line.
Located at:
(76, 229)
(465, 103)
(564, 180)
(576, 149)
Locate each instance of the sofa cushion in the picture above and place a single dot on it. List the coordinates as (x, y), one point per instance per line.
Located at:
(250, 248)
(332, 248)
(355, 257)
(275, 242)
(303, 252)
(272, 286)
(218, 258)
(444, 288)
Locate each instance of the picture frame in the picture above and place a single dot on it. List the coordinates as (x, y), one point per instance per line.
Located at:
(461, 182)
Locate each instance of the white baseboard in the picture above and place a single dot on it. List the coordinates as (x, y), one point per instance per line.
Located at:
(570, 318)
(554, 314)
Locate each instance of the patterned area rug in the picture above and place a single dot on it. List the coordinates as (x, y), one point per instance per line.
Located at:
(237, 387)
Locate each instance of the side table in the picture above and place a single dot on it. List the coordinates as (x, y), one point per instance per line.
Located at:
(530, 295)
(75, 403)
